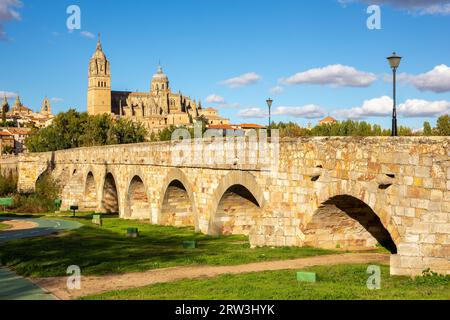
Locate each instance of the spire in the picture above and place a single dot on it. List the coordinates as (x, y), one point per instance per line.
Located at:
(160, 70)
(17, 102)
(99, 44)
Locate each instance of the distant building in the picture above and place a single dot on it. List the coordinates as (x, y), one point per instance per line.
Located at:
(24, 116)
(249, 127)
(156, 109)
(6, 141)
(328, 120)
(20, 135)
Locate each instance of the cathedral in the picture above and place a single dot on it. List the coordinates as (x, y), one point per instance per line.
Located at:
(157, 109)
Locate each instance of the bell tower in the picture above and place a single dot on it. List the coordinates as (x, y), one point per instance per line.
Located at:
(160, 82)
(46, 108)
(99, 87)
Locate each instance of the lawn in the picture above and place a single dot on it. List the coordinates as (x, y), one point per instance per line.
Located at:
(3, 226)
(105, 250)
(340, 282)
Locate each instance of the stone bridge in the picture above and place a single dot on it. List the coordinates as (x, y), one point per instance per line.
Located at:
(336, 193)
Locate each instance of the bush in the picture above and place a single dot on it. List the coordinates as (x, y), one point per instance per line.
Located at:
(8, 185)
(42, 200)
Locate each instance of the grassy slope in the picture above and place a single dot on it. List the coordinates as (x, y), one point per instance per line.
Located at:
(346, 282)
(4, 226)
(106, 250)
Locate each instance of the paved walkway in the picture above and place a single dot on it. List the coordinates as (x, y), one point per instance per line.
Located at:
(98, 284)
(12, 286)
(44, 227)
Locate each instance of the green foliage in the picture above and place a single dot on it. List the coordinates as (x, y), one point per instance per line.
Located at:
(73, 129)
(427, 130)
(165, 134)
(344, 128)
(443, 126)
(8, 150)
(42, 200)
(8, 185)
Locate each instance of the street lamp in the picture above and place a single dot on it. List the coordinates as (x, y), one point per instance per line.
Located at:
(394, 62)
(269, 104)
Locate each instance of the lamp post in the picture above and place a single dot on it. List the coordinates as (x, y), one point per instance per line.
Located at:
(269, 104)
(394, 62)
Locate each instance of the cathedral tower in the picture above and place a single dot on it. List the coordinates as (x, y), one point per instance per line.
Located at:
(99, 88)
(160, 82)
(46, 108)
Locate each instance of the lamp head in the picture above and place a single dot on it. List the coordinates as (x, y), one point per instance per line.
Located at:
(394, 61)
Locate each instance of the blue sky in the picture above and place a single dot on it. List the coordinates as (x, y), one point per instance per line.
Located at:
(313, 58)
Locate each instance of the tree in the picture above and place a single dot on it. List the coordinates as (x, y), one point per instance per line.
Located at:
(427, 131)
(8, 150)
(73, 129)
(443, 125)
(126, 131)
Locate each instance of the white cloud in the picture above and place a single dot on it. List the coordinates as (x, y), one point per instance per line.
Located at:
(309, 111)
(214, 98)
(87, 34)
(436, 80)
(421, 7)
(416, 108)
(7, 13)
(378, 107)
(8, 94)
(382, 107)
(56, 99)
(277, 90)
(242, 80)
(253, 113)
(336, 75)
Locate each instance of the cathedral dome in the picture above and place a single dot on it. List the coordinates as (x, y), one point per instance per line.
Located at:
(160, 75)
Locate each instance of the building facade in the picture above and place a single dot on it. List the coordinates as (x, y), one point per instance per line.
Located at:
(24, 117)
(157, 109)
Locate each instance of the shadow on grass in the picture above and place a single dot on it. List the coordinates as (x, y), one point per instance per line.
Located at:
(103, 250)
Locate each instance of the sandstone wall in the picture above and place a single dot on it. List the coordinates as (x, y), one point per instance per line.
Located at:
(403, 182)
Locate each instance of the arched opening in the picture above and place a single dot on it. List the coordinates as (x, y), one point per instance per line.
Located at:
(110, 201)
(347, 223)
(237, 211)
(138, 205)
(177, 209)
(90, 193)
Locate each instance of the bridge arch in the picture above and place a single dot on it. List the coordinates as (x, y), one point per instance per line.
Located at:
(177, 201)
(237, 203)
(110, 194)
(137, 199)
(350, 219)
(348, 223)
(90, 192)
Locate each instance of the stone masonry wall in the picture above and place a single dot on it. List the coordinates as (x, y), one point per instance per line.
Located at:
(405, 182)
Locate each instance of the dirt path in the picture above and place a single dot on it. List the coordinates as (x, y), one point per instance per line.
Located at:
(97, 284)
(19, 225)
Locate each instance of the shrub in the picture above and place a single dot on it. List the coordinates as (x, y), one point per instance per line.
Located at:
(42, 200)
(8, 185)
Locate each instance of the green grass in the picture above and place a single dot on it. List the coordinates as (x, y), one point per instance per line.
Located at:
(4, 226)
(340, 282)
(105, 250)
